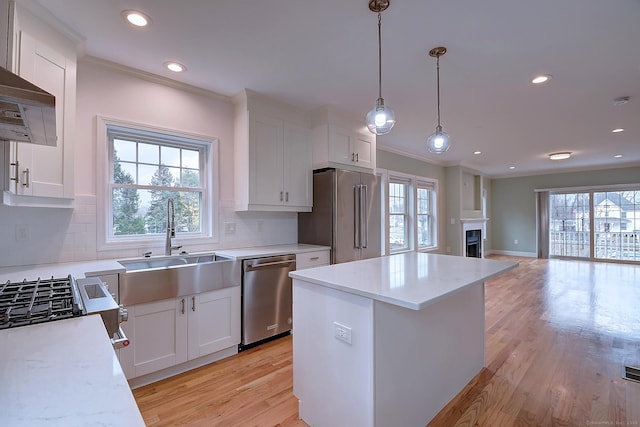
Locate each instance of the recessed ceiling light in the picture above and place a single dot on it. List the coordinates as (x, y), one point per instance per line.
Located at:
(560, 156)
(512, 167)
(541, 78)
(477, 152)
(617, 156)
(175, 67)
(618, 130)
(137, 18)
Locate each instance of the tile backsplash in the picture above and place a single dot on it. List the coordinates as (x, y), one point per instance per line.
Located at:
(49, 235)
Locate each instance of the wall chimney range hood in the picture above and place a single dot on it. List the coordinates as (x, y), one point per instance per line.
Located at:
(27, 113)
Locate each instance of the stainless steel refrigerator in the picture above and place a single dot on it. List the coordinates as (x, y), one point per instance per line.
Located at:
(346, 215)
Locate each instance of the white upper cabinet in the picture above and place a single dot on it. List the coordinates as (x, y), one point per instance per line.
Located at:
(47, 59)
(338, 142)
(272, 155)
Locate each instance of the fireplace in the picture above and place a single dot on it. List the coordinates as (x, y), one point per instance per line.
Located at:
(472, 237)
(473, 243)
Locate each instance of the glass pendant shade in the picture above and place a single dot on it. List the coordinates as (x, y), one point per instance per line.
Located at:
(438, 142)
(380, 119)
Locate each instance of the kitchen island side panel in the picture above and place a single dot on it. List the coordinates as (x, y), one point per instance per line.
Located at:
(333, 380)
(423, 358)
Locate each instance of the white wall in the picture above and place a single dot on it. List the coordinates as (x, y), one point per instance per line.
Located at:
(36, 235)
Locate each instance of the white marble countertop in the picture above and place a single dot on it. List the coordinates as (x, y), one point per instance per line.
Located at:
(111, 266)
(412, 280)
(263, 251)
(63, 373)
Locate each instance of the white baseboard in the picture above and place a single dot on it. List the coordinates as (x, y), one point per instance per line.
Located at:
(513, 253)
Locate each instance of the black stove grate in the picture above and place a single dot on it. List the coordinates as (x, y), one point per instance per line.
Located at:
(43, 300)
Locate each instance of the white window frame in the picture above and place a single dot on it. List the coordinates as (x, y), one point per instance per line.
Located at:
(409, 213)
(431, 185)
(210, 195)
(414, 182)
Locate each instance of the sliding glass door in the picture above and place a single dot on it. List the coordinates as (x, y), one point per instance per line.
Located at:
(569, 225)
(616, 225)
(595, 224)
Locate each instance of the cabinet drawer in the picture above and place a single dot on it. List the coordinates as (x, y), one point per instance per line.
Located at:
(312, 259)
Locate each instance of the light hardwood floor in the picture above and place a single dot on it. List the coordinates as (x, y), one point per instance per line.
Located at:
(557, 335)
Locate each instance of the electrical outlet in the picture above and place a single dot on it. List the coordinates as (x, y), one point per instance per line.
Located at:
(342, 332)
(23, 233)
(229, 227)
(515, 242)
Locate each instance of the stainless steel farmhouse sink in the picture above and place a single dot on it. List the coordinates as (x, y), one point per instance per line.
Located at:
(147, 280)
(147, 263)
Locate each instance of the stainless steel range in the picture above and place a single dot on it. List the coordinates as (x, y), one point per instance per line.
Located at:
(45, 300)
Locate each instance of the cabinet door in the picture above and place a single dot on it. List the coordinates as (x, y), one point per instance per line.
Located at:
(158, 335)
(340, 145)
(266, 160)
(47, 171)
(362, 146)
(214, 321)
(298, 175)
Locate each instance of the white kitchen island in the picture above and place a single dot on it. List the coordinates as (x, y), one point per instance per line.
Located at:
(387, 341)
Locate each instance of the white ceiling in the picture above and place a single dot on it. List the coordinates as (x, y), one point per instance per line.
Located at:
(312, 53)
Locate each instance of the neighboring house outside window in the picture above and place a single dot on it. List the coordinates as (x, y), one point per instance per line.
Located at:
(410, 212)
(146, 167)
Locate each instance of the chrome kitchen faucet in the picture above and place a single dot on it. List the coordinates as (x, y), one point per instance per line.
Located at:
(171, 228)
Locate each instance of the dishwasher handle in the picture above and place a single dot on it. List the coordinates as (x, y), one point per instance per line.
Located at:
(267, 265)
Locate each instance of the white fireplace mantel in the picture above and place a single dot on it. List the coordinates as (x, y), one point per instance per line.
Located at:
(469, 224)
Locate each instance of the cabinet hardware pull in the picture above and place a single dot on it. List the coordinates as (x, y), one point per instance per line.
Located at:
(286, 198)
(26, 177)
(193, 303)
(16, 172)
(353, 156)
(357, 157)
(281, 196)
(182, 309)
(314, 258)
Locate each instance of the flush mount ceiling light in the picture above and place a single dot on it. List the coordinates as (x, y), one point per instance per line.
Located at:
(438, 142)
(175, 67)
(137, 18)
(380, 119)
(512, 167)
(477, 152)
(617, 156)
(541, 78)
(560, 156)
(617, 130)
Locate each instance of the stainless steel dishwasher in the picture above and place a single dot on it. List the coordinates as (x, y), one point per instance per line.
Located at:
(266, 297)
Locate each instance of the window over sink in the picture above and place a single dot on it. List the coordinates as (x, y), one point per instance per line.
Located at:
(144, 167)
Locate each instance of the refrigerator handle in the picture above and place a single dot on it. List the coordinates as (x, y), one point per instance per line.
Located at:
(356, 216)
(364, 232)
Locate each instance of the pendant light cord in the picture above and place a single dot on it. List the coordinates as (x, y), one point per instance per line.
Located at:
(438, 79)
(379, 56)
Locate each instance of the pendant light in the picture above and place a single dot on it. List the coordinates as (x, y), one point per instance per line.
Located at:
(381, 118)
(438, 142)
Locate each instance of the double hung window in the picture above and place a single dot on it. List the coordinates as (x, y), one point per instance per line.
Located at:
(147, 168)
(411, 208)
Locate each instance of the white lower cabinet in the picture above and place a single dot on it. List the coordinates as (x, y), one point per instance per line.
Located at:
(172, 331)
(312, 259)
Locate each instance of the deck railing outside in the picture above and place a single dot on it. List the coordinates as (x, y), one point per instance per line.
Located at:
(619, 245)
